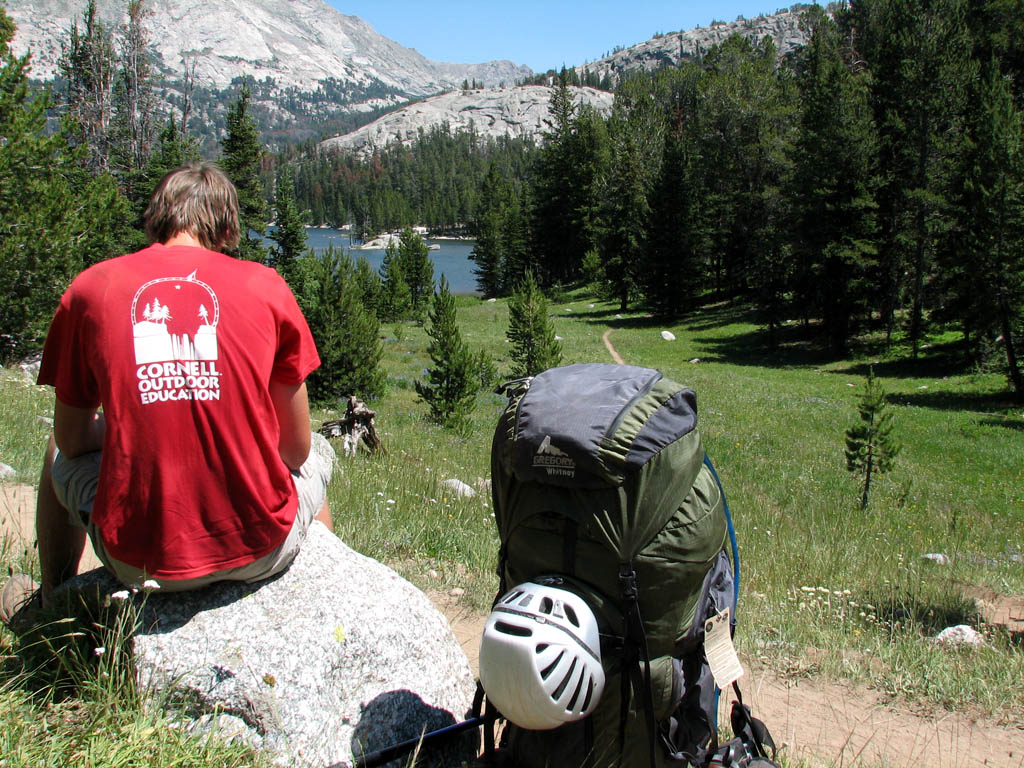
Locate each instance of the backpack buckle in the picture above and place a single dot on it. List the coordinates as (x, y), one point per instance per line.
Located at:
(627, 581)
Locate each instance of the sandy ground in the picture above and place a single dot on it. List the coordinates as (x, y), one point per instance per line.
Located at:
(814, 721)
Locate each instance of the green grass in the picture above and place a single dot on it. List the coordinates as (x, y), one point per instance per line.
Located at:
(827, 589)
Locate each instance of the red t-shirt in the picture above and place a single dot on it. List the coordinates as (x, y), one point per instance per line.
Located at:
(179, 344)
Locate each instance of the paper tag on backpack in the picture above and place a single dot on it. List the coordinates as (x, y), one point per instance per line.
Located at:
(725, 664)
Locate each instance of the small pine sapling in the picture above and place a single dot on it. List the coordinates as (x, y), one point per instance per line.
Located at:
(452, 381)
(530, 331)
(870, 444)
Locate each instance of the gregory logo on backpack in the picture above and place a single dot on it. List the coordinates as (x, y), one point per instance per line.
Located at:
(553, 460)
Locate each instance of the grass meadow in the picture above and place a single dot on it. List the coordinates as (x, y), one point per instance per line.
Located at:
(826, 588)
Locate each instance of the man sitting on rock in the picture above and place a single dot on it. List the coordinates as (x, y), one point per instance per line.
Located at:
(199, 466)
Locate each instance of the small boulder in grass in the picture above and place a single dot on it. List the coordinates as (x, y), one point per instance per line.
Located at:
(30, 367)
(960, 636)
(668, 336)
(936, 557)
(460, 489)
(6, 471)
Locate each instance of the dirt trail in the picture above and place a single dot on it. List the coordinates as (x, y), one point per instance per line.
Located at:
(822, 723)
(611, 350)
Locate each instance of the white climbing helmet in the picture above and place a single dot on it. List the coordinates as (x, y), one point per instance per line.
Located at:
(540, 656)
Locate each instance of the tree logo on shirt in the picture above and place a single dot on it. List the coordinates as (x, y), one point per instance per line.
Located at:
(174, 324)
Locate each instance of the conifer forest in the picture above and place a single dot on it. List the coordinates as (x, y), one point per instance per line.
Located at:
(870, 181)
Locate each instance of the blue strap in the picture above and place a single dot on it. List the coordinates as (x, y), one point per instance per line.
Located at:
(732, 540)
(735, 562)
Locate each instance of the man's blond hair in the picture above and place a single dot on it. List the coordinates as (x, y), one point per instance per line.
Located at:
(198, 199)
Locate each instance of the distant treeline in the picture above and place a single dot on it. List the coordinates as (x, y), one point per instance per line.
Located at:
(872, 180)
(434, 181)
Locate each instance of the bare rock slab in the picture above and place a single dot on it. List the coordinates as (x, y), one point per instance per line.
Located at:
(337, 657)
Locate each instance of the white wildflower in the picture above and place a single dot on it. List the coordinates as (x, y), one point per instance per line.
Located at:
(121, 595)
(99, 651)
(150, 584)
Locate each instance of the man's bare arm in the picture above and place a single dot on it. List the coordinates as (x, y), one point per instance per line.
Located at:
(77, 430)
(292, 407)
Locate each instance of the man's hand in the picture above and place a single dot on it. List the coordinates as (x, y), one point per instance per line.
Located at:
(292, 407)
(77, 430)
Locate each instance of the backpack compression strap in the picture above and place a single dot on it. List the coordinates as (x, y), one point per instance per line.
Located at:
(635, 649)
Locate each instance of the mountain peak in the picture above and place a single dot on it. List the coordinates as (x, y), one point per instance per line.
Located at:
(297, 43)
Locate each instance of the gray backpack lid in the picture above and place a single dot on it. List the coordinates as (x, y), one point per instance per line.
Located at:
(592, 423)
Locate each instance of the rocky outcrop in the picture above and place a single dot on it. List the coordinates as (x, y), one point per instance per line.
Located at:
(676, 47)
(336, 657)
(520, 111)
(298, 43)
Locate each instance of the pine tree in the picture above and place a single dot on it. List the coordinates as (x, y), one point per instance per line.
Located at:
(134, 104)
(395, 298)
(746, 121)
(56, 218)
(173, 149)
(290, 232)
(982, 263)
(569, 187)
(530, 331)
(833, 207)
(672, 266)
(637, 139)
(870, 444)
(346, 334)
(452, 380)
(89, 70)
(369, 285)
(242, 155)
(917, 51)
(487, 250)
(417, 269)
(517, 255)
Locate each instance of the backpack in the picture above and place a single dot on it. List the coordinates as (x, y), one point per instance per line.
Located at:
(601, 485)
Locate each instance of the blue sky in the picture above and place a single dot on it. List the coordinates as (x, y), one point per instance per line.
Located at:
(541, 34)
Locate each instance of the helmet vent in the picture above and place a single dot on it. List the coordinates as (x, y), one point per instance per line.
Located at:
(512, 596)
(571, 615)
(576, 695)
(512, 629)
(546, 605)
(557, 694)
(590, 693)
(546, 672)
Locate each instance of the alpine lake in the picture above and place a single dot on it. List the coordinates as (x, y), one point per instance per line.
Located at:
(450, 257)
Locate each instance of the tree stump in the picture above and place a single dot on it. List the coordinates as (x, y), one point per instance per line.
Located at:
(355, 427)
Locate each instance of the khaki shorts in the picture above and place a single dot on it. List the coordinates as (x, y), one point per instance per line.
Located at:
(75, 481)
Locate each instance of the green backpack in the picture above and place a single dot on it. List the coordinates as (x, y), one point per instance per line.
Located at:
(599, 478)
